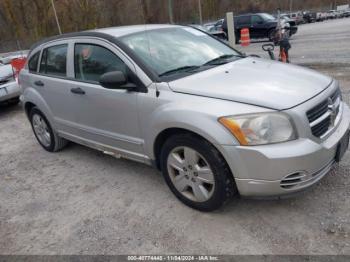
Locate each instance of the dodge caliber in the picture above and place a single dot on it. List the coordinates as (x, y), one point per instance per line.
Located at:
(216, 123)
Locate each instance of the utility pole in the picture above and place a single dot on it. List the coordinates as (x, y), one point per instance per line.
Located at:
(230, 29)
(57, 22)
(200, 12)
(290, 6)
(170, 10)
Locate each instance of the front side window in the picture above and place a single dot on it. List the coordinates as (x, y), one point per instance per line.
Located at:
(172, 49)
(92, 61)
(54, 61)
(256, 19)
(33, 62)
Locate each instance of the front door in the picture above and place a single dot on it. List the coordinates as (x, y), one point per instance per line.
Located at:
(106, 117)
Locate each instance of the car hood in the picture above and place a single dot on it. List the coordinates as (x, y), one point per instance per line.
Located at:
(5, 72)
(255, 81)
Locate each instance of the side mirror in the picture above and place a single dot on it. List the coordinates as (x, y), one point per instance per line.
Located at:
(116, 80)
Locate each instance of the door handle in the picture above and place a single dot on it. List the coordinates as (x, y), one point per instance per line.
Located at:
(39, 83)
(78, 90)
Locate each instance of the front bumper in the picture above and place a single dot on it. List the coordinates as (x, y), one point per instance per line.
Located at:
(262, 171)
(12, 90)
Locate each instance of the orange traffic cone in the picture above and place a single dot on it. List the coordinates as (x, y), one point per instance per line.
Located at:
(283, 56)
(245, 37)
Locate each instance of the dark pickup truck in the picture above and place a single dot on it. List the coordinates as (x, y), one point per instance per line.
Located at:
(309, 17)
(261, 25)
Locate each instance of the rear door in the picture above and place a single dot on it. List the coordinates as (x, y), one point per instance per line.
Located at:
(258, 27)
(51, 83)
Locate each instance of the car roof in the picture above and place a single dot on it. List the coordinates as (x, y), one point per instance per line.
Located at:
(131, 29)
(250, 14)
(110, 33)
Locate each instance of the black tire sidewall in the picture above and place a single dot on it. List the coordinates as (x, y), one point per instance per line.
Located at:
(14, 101)
(51, 147)
(215, 162)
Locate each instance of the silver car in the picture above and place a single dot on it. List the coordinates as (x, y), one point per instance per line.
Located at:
(215, 122)
(9, 88)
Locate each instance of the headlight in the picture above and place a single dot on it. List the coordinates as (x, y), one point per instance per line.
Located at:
(260, 129)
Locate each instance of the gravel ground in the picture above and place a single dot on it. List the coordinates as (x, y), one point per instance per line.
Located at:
(80, 201)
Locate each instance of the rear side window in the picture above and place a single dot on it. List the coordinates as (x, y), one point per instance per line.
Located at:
(243, 20)
(33, 62)
(54, 61)
(92, 61)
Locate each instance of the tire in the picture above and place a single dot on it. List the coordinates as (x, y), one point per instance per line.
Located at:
(14, 101)
(223, 186)
(11, 102)
(53, 143)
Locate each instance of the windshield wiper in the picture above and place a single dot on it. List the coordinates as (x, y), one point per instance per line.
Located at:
(216, 61)
(223, 59)
(179, 70)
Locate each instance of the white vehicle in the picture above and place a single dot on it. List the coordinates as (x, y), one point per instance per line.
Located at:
(9, 88)
(320, 16)
(297, 17)
(7, 59)
(209, 26)
(332, 14)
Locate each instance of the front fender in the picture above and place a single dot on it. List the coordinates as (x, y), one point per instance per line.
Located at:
(183, 117)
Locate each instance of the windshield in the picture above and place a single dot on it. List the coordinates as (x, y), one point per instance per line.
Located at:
(267, 16)
(168, 49)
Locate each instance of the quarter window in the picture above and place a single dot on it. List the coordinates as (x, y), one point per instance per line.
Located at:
(92, 61)
(33, 62)
(54, 61)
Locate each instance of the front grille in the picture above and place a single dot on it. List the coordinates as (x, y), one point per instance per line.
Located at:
(322, 116)
(317, 111)
(321, 128)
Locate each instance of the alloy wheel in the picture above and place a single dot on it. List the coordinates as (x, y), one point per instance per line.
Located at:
(41, 130)
(191, 174)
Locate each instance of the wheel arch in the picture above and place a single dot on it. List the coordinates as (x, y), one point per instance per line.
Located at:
(165, 134)
(32, 98)
(28, 106)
